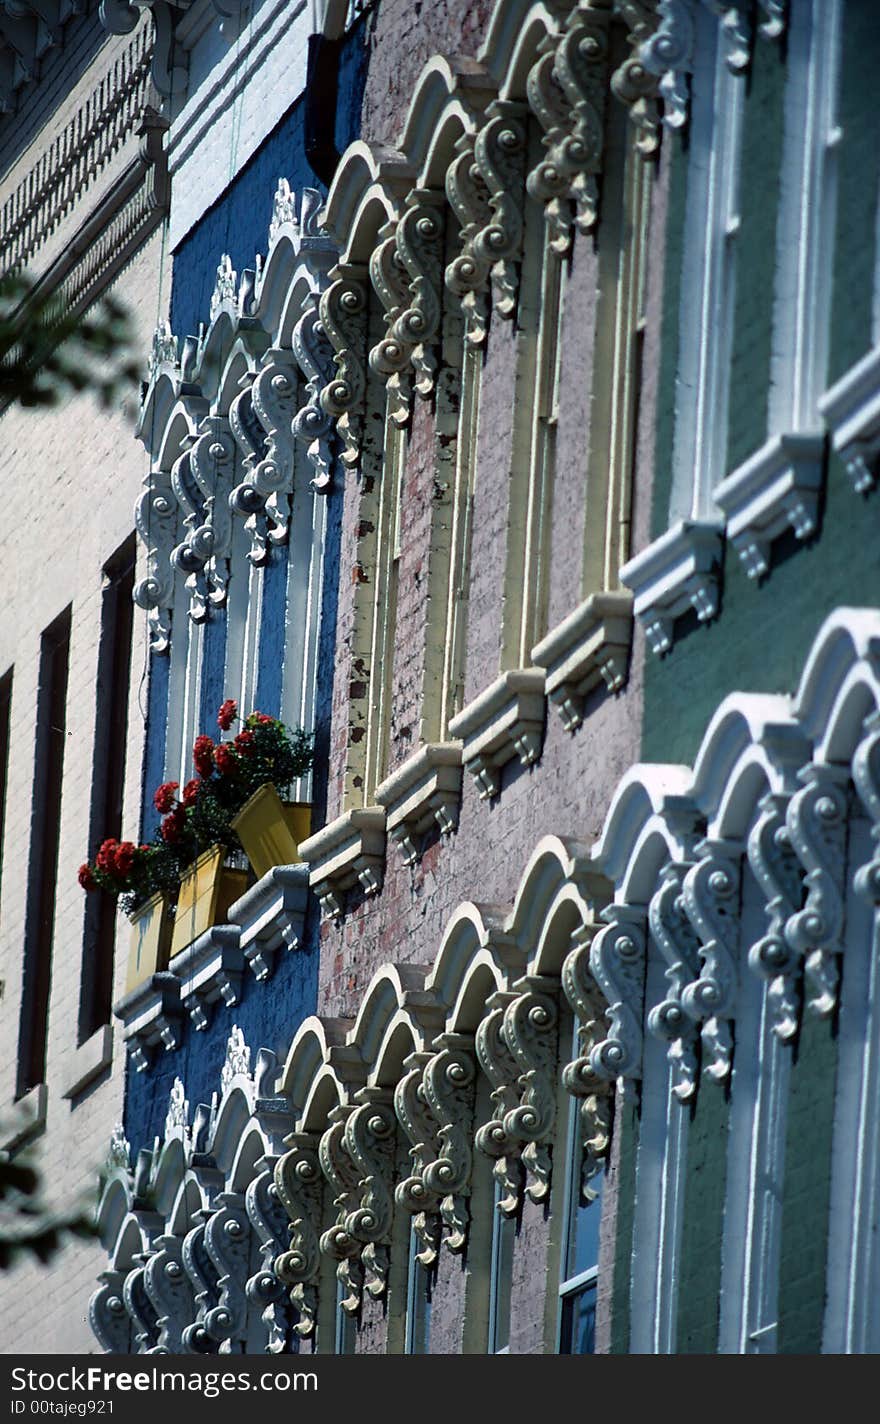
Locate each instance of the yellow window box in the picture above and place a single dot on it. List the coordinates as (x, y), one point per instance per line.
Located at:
(206, 892)
(271, 829)
(150, 941)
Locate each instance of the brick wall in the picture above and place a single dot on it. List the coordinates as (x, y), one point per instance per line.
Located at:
(70, 477)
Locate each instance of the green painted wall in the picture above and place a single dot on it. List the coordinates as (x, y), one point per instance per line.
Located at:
(699, 1273)
(664, 429)
(756, 254)
(807, 1190)
(858, 172)
(627, 1124)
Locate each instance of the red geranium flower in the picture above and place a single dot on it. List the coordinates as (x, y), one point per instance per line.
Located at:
(263, 718)
(163, 797)
(124, 858)
(172, 826)
(227, 714)
(106, 858)
(224, 760)
(86, 878)
(203, 755)
(190, 792)
(244, 740)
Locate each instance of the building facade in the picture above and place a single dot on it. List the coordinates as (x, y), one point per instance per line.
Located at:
(525, 451)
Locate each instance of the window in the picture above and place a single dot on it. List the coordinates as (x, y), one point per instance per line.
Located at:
(43, 865)
(580, 1250)
(108, 778)
(418, 1302)
(5, 710)
(501, 1279)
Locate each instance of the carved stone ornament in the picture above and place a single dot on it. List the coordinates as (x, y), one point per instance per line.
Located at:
(264, 1290)
(283, 210)
(567, 88)
(492, 1137)
(237, 1061)
(338, 1242)
(467, 275)
(617, 961)
(816, 823)
(202, 1274)
(264, 498)
(344, 319)
(227, 1243)
(679, 945)
(434, 1103)
(866, 775)
(500, 156)
(163, 349)
(578, 1077)
(300, 1188)
(224, 293)
(108, 1317)
(389, 358)
(202, 479)
(312, 424)
(531, 1029)
(634, 84)
(371, 1141)
(177, 1116)
(711, 895)
(155, 518)
(170, 1292)
(777, 870)
(119, 1151)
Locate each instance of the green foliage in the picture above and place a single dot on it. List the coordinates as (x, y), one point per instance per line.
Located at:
(28, 1227)
(47, 352)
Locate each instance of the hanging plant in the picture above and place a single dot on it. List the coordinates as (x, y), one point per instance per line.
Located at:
(200, 816)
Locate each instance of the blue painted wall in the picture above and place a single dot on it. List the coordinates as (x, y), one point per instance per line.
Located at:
(268, 1014)
(238, 223)
(212, 692)
(154, 743)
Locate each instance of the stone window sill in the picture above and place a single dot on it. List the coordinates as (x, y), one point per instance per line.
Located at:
(151, 1016)
(425, 791)
(852, 410)
(679, 571)
(209, 971)
(590, 646)
(270, 916)
(90, 1059)
(504, 722)
(346, 852)
(25, 1119)
(775, 490)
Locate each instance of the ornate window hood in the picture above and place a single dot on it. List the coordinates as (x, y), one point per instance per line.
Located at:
(151, 1016)
(776, 489)
(504, 722)
(422, 793)
(210, 971)
(270, 916)
(238, 436)
(347, 852)
(851, 409)
(590, 646)
(679, 571)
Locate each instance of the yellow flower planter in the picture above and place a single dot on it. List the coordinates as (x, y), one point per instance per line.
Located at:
(271, 829)
(206, 891)
(150, 941)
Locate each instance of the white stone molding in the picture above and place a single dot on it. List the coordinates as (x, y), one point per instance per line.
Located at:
(503, 722)
(344, 319)
(817, 826)
(270, 917)
(777, 870)
(711, 899)
(492, 1138)
(588, 648)
(617, 961)
(236, 401)
(851, 410)
(299, 1183)
(567, 90)
(347, 852)
(423, 793)
(209, 971)
(775, 490)
(679, 946)
(676, 573)
(151, 1018)
(592, 1092)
